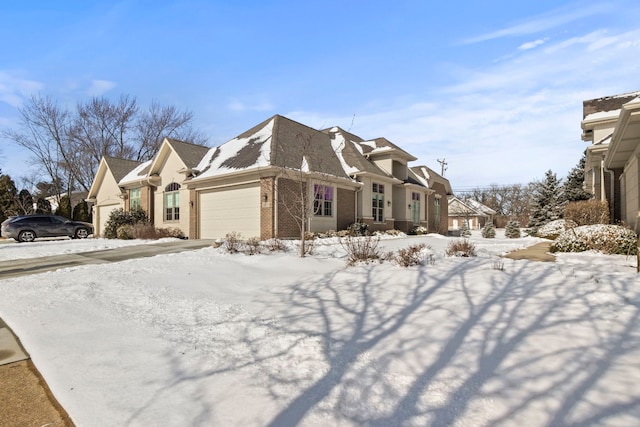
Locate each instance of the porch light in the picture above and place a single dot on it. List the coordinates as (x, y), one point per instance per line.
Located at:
(388, 202)
(265, 197)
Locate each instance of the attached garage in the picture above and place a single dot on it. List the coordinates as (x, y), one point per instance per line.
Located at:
(103, 216)
(232, 209)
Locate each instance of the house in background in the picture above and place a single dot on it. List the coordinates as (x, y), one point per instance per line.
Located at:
(474, 213)
(612, 171)
(253, 183)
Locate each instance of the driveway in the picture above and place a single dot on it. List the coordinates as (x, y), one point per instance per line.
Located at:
(23, 267)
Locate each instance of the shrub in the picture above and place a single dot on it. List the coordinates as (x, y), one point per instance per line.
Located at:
(605, 238)
(418, 230)
(553, 229)
(464, 229)
(125, 232)
(488, 231)
(233, 242)
(461, 248)
(512, 230)
(587, 212)
(358, 229)
(252, 246)
(413, 255)
(119, 217)
(275, 245)
(361, 249)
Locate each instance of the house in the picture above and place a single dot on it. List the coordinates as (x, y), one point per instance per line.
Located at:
(257, 184)
(474, 213)
(612, 125)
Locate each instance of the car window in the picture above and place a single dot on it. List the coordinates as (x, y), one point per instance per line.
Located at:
(58, 220)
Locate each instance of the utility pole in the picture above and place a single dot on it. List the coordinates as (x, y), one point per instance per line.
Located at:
(443, 166)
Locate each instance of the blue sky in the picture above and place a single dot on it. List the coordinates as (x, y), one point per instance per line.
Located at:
(493, 87)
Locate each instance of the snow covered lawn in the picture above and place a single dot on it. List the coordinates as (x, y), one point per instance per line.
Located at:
(208, 338)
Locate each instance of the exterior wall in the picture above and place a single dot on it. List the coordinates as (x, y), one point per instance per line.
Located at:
(288, 208)
(631, 193)
(108, 195)
(366, 214)
(345, 208)
(168, 174)
(194, 231)
(443, 225)
(267, 208)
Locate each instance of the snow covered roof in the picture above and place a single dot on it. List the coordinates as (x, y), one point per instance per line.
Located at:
(607, 104)
(138, 173)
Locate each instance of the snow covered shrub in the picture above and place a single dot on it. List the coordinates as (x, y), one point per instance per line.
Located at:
(464, 229)
(358, 229)
(233, 242)
(512, 230)
(418, 230)
(553, 229)
(413, 255)
(361, 249)
(125, 232)
(275, 245)
(587, 212)
(119, 217)
(461, 248)
(392, 232)
(252, 246)
(488, 231)
(605, 238)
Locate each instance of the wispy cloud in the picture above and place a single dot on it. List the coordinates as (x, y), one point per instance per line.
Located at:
(543, 22)
(239, 106)
(14, 88)
(533, 44)
(100, 87)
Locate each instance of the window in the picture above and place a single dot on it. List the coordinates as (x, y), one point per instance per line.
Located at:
(135, 199)
(415, 208)
(172, 202)
(436, 206)
(322, 200)
(377, 202)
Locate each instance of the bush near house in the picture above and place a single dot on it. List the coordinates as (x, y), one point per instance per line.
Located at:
(605, 238)
(119, 218)
(553, 229)
(461, 248)
(587, 212)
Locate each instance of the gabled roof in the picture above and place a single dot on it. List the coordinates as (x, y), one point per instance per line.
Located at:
(347, 146)
(384, 146)
(428, 177)
(120, 167)
(607, 106)
(277, 142)
(137, 174)
(459, 207)
(189, 153)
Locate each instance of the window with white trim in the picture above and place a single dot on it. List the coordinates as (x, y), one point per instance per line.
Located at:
(322, 200)
(135, 198)
(436, 206)
(172, 202)
(377, 202)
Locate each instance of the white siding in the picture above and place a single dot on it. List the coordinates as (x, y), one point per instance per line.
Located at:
(235, 209)
(102, 213)
(631, 193)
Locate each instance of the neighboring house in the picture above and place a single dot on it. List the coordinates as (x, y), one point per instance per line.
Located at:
(612, 125)
(473, 212)
(253, 184)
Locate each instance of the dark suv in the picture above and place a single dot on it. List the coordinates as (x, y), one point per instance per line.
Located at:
(27, 228)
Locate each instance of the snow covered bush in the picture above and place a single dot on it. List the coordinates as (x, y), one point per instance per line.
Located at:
(233, 242)
(358, 229)
(553, 229)
(587, 212)
(118, 218)
(361, 249)
(512, 230)
(464, 229)
(605, 238)
(418, 230)
(461, 248)
(413, 255)
(488, 231)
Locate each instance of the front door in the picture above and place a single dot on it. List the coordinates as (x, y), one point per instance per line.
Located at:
(415, 208)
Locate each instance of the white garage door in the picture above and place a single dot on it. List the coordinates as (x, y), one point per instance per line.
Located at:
(233, 209)
(103, 217)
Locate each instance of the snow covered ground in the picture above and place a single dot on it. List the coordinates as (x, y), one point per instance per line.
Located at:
(208, 338)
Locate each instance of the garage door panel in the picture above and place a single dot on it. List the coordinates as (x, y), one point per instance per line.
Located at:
(103, 217)
(230, 210)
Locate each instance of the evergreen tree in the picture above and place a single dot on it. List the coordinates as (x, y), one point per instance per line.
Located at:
(548, 201)
(512, 230)
(573, 186)
(8, 197)
(81, 212)
(43, 206)
(488, 231)
(25, 202)
(64, 208)
(464, 229)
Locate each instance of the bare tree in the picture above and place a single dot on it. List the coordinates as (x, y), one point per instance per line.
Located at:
(69, 145)
(509, 201)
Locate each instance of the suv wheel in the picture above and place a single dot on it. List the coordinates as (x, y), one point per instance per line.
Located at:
(81, 233)
(26, 236)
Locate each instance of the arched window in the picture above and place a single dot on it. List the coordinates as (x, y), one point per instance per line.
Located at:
(172, 202)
